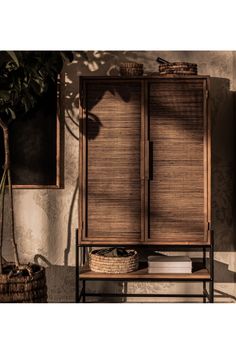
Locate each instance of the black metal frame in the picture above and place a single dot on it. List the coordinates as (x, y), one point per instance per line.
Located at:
(206, 294)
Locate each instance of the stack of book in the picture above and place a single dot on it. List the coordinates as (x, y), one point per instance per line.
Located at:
(169, 264)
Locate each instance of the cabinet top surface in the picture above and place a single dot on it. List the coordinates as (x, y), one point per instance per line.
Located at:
(145, 77)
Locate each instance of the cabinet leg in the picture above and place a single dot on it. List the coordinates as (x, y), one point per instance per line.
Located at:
(77, 297)
(211, 285)
(204, 291)
(77, 288)
(211, 292)
(84, 290)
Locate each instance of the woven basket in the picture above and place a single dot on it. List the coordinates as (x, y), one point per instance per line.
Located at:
(180, 68)
(23, 288)
(117, 265)
(131, 69)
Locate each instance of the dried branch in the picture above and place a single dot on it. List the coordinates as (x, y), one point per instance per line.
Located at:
(12, 219)
(7, 173)
(2, 194)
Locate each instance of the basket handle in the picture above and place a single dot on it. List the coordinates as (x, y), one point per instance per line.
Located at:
(162, 61)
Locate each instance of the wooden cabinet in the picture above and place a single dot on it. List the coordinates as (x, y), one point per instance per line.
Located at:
(144, 161)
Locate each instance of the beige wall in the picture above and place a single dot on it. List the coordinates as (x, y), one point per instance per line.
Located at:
(46, 219)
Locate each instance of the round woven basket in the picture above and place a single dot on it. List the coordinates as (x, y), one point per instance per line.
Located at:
(181, 68)
(109, 264)
(23, 288)
(131, 69)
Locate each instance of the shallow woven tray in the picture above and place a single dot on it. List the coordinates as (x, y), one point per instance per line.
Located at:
(116, 265)
(24, 288)
(181, 68)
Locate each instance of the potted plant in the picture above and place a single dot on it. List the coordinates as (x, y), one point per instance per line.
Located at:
(24, 78)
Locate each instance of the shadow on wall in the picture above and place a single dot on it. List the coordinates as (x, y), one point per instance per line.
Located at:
(223, 175)
(223, 169)
(61, 279)
(99, 63)
(223, 165)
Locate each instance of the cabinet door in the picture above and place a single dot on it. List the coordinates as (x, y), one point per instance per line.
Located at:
(112, 126)
(178, 190)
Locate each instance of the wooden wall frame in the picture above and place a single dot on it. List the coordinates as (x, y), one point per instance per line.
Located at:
(52, 177)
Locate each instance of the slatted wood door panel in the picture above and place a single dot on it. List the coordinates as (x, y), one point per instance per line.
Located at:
(113, 197)
(178, 184)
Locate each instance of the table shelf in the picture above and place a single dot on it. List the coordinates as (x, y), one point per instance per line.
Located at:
(202, 271)
(198, 274)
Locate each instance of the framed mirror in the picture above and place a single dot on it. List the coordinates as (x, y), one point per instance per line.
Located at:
(36, 144)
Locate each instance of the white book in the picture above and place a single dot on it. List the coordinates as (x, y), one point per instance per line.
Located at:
(168, 265)
(170, 270)
(169, 261)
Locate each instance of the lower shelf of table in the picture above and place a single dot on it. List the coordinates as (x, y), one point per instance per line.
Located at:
(199, 274)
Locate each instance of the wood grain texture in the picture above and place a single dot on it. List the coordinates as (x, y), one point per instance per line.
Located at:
(177, 194)
(113, 120)
(145, 161)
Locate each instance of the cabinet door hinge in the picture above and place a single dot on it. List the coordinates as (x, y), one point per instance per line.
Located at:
(207, 94)
(209, 226)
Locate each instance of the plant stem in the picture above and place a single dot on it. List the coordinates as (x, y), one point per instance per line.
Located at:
(2, 194)
(2, 179)
(7, 171)
(2, 186)
(6, 144)
(12, 219)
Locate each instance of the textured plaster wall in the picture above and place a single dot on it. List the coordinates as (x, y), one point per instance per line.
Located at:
(46, 219)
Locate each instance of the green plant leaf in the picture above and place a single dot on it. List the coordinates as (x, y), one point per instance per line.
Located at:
(4, 96)
(13, 115)
(67, 55)
(14, 57)
(27, 75)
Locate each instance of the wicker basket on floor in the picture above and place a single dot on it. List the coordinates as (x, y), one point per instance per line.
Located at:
(131, 69)
(23, 288)
(116, 265)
